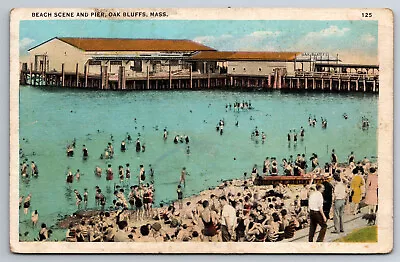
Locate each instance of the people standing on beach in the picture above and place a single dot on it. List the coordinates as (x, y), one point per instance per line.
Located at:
(151, 172)
(356, 183)
(180, 196)
(209, 219)
(110, 150)
(228, 219)
(317, 216)
(371, 197)
(327, 196)
(340, 196)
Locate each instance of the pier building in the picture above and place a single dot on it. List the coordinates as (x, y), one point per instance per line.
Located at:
(142, 64)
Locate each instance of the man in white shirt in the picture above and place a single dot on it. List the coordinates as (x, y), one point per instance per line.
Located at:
(340, 195)
(317, 216)
(228, 219)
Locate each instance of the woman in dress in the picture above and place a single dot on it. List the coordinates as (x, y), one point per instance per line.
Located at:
(356, 183)
(371, 197)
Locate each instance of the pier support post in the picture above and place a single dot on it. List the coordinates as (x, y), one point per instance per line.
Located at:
(169, 75)
(348, 85)
(191, 76)
(322, 84)
(290, 83)
(306, 83)
(269, 81)
(298, 83)
(77, 74)
(104, 77)
(364, 86)
(313, 83)
(357, 85)
(86, 74)
(121, 78)
(340, 85)
(63, 74)
(330, 84)
(374, 86)
(147, 78)
(30, 74)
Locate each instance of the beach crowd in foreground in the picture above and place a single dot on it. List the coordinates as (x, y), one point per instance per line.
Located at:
(236, 210)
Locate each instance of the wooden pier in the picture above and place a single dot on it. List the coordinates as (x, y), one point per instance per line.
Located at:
(299, 81)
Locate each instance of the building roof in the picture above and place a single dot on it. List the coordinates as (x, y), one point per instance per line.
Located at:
(245, 56)
(124, 44)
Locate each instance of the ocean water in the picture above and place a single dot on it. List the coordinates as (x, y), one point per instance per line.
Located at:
(50, 118)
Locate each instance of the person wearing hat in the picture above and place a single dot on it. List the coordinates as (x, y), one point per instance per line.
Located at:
(371, 197)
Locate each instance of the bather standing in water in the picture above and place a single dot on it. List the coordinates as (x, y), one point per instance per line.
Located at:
(183, 176)
(138, 145)
(85, 152)
(123, 146)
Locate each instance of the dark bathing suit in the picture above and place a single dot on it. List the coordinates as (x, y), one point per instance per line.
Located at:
(209, 228)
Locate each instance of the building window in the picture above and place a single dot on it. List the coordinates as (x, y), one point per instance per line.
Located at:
(260, 69)
(233, 69)
(244, 68)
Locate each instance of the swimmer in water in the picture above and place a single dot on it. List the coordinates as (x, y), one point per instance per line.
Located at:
(129, 138)
(123, 146)
(165, 134)
(98, 171)
(138, 145)
(186, 139)
(78, 198)
(77, 175)
(121, 173)
(127, 171)
(176, 139)
(188, 150)
(143, 148)
(85, 197)
(263, 137)
(85, 152)
(301, 132)
(70, 176)
(183, 177)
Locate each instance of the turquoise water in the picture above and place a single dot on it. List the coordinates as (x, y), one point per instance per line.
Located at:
(51, 118)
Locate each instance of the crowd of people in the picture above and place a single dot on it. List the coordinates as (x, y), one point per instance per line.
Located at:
(237, 210)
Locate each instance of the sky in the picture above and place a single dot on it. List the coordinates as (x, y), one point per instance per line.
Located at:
(354, 41)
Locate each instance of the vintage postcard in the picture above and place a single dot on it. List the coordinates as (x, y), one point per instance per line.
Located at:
(201, 131)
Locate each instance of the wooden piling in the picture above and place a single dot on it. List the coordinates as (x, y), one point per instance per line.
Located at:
(77, 74)
(191, 76)
(121, 78)
(30, 74)
(63, 74)
(104, 77)
(148, 78)
(86, 72)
